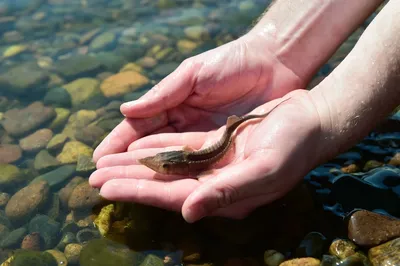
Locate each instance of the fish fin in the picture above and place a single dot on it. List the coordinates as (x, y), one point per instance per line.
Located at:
(187, 148)
(231, 120)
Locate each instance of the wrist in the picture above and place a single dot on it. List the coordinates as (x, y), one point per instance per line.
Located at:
(304, 34)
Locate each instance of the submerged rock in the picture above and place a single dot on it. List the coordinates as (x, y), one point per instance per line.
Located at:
(122, 83)
(386, 254)
(367, 228)
(9, 153)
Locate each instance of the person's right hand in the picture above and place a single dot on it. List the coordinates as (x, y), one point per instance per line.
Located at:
(203, 91)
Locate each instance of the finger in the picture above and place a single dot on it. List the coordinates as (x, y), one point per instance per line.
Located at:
(101, 176)
(131, 157)
(126, 132)
(168, 93)
(193, 139)
(232, 185)
(166, 195)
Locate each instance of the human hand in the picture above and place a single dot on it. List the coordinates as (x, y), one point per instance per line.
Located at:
(202, 92)
(268, 157)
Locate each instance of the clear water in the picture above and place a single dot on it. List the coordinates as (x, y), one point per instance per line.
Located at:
(47, 45)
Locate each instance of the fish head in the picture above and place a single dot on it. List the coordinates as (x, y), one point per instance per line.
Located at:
(167, 163)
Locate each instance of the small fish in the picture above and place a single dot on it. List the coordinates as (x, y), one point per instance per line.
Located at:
(190, 162)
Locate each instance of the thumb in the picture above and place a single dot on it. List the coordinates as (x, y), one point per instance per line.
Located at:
(168, 93)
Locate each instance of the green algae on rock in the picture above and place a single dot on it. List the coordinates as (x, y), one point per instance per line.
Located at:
(122, 83)
(72, 150)
(103, 220)
(386, 254)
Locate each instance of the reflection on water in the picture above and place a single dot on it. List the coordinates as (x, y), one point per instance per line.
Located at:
(66, 66)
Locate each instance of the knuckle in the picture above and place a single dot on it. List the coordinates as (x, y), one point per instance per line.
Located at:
(227, 196)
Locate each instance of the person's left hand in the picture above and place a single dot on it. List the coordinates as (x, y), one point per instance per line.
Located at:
(268, 157)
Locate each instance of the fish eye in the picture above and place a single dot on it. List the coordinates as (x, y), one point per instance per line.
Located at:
(165, 166)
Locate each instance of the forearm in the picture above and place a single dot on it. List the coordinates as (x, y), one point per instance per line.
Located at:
(365, 87)
(303, 34)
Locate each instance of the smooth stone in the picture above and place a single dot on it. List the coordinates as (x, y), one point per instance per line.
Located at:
(387, 254)
(18, 122)
(27, 201)
(66, 191)
(31, 258)
(58, 177)
(9, 174)
(89, 135)
(395, 160)
(186, 46)
(9, 153)
(312, 245)
(273, 258)
(44, 160)
(82, 90)
(58, 97)
(72, 252)
(78, 67)
(36, 141)
(197, 33)
(57, 142)
(84, 197)
(61, 118)
(301, 262)
(72, 150)
(85, 164)
(342, 248)
(14, 50)
(103, 41)
(152, 260)
(49, 229)
(24, 78)
(14, 238)
(59, 257)
(4, 198)
(77, 121)
(165, 69)
(122, 83)
(367, 228)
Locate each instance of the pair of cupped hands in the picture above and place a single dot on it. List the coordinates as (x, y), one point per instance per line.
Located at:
(189, 108)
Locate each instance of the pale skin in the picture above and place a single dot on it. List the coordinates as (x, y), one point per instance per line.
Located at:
(277, 58)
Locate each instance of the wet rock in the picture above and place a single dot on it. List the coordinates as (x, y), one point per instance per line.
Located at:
(350, 192)
(72, 252)
(4, 231)
(47, 228)
(147, 62)
(4, 198)
(32, 241)
(103, 41)
(89, 135)
(58, 256)
(131, 67)
(27, 201)
(72, 150)
(367, 228)
(301, 262)
(165, 69)
(4, 219)
(33, 258)
(386, 254)
(197, 33)
(342, 248)
(78, 67)
(104, 252)
(66, 191)
(85, 164)
(58, 177)
(57, 142)
(54, 209)
(9, 174)
(395, 160)
(14, 50)
(186, 46)
(152, 260)
(9, 153)
(84, 197)
(104, 219)
(23, 78)
(58, 97)
(61, 118)
(313, 245)
(13, 239)
(371, 164)
(82, 90)
(67, 238)
(18, 122)
(351, 168)
(87, 234)
(78, 121)
(273, 258)
(122, 83)
(36, 141)
(44, 160)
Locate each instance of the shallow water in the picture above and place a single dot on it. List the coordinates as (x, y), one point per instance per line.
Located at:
(55, 55)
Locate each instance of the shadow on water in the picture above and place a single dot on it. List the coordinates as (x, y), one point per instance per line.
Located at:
(55, 108)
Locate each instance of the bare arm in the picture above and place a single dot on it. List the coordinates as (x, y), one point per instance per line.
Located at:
(303, 34)
(365, 87)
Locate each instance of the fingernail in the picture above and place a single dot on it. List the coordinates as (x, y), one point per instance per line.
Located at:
(195, 213)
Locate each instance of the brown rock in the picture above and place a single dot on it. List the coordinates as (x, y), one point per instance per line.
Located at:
(83, 197)
(36, 141)
(66, 191)
(386, 254)
(4, 198)
(31, 242)
(27, 201)
(122, 83)
(395, 160)
(9, 153)
(367, 228)
(18, 122)
(301, 262)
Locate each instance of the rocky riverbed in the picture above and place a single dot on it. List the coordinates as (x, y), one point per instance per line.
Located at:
(65, 68)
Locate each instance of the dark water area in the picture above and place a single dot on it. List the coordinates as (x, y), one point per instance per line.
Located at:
(55, 108)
